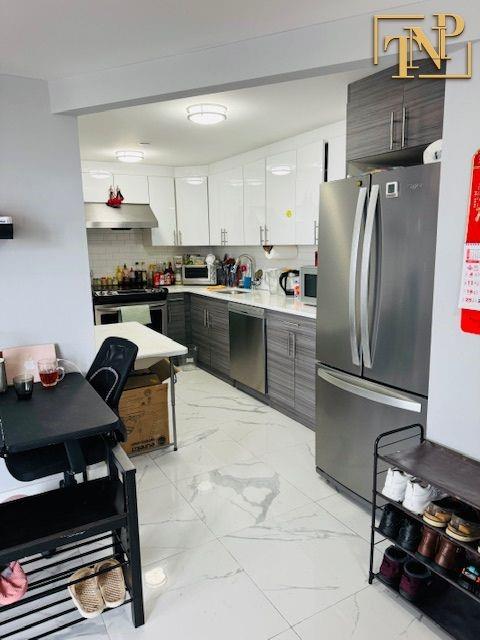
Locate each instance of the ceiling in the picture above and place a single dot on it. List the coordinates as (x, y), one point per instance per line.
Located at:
(256, 117)
(53, 39)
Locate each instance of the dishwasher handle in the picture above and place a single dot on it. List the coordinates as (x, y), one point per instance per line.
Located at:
(246, 310)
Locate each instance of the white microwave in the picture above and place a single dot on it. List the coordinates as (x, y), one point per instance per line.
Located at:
(308, 285)
(205, 274)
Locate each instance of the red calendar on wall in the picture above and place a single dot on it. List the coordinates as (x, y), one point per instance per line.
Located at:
(470, 287)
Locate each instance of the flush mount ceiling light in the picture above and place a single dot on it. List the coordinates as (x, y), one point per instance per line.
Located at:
(207, 113)
(195, 180)
(281, 170)
(129, 156)
(100, 174)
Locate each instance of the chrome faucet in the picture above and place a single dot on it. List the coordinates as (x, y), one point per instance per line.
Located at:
(252, 264)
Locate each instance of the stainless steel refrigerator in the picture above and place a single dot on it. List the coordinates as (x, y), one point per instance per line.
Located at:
(376, 256)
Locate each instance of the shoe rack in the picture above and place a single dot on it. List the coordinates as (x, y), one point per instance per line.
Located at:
(53, 534)
(450, 605)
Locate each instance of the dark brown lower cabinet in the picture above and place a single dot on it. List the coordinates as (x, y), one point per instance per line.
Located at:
(291, 365)
(209, 330)
(178, 318)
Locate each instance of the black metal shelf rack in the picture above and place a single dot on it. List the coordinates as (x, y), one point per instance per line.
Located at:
(55, 533)
(452, 607)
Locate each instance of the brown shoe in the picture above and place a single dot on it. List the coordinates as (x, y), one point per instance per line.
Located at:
(449, 556)
(428, 544)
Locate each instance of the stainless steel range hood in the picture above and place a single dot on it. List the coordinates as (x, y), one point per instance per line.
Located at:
(128, 216)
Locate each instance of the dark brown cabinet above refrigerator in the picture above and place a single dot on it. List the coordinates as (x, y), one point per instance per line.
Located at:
(389, 119)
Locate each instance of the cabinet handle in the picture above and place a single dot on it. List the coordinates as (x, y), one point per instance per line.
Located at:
(261, 235)
(266, 234)
(208, 318)
(225, 235)
(315, 232)
(180, 241)
(404, 125)
(289, 347)
(205, 318)
(174, 237)
(294, 341)
(169, 314)
(392, 122)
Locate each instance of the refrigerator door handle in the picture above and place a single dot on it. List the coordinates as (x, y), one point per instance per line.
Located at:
(364, 276)
(369, 390)
(352, 286)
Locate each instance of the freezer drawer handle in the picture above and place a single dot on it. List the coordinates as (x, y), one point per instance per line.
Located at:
(364, 277)
(390, 398)
(352, 287)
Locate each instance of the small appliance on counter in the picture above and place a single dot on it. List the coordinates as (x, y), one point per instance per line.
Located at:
(288, 280)
(308, 285)
(201, 274)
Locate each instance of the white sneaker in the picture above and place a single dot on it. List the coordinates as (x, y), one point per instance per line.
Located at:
(419, 494)
(395, 485)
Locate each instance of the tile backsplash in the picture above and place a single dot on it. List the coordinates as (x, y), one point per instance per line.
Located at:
(107, 249)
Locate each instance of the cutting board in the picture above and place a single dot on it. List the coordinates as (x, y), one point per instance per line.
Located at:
(15, 358)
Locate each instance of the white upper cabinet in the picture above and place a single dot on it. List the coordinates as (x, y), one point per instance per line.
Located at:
(309, 176)
(280, 189)
(192, 211)
(226, 207)
(134, 188)
(337, 158)
(95, 189)
(254, 202)
(162, 202)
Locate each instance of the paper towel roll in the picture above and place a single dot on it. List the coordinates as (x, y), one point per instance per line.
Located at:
(281, 252)
(433, 153)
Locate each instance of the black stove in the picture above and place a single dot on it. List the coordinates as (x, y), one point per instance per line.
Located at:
(109, 296)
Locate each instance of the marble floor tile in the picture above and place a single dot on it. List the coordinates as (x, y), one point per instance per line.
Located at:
(349, 513)
(168, 524)
(148, 475)
(304, 560)
(240, 495)
(200, 454)
(297, 465)
(371, 614)
(207, 596)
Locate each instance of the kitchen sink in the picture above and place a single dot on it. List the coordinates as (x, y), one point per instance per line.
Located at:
(231, 292)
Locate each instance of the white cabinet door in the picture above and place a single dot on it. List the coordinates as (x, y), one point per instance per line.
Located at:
(309, 177)
(162, 202)
(337, 158)
(214, 210)
(254, 203)
(231, 206)
(134, 188)
(95, 189)
(280, 184)
(192, 211)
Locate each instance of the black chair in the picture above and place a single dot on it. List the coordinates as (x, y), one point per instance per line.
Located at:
(107, 375)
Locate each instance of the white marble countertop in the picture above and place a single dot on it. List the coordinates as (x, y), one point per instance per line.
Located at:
(255, 298)
(152, 346)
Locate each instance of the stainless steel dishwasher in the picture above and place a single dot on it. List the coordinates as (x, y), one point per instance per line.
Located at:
(247, 345)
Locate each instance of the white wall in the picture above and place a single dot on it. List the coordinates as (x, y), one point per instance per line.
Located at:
(44, 283)
(454, 409)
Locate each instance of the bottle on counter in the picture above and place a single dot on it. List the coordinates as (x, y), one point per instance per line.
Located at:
(162, 275)
(103, 282)
(143, 273)
(125, 277)
(131, 278)
(109, 281)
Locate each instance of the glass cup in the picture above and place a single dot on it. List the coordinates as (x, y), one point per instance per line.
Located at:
(50, 373)
(23, 384)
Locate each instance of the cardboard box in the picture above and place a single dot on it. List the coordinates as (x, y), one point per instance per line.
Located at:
(144, 410)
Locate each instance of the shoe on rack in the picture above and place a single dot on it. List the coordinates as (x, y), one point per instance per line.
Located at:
(395, 485)
(470, 579)
(449, 556)
(418, 495)
(429, 543)
(86, 595)
(391, 521)
(391, 568)
(464, 525)
(410, 534)
(439, 512)
(415, 580)
(111, 583)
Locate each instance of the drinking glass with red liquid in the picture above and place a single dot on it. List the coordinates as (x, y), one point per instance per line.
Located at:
(50, 372)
